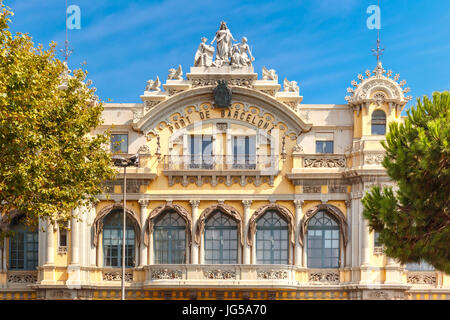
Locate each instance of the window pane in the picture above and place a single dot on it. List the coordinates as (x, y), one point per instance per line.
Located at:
(119, 143)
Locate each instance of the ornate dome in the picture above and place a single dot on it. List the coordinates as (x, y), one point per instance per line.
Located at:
(378, 88)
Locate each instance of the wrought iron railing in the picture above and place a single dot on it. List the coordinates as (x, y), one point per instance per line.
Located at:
(219, 162)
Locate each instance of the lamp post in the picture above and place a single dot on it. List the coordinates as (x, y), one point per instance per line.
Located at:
(120, 161)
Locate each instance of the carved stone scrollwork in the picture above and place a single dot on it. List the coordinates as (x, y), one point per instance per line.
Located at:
(60, 294)
(272, 275)
(378, 295)
(322, 162)
(374, 158)
(324, 277)
(219, 274)
(248, 83)
(427, 278)
(312, 189)
(150, 104)
(166, 274)
(117, 276)
(144, 149)
(22, 277)
(269, 92)
(137, 115)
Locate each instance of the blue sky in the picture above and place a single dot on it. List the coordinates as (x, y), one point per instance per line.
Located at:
(321, 44)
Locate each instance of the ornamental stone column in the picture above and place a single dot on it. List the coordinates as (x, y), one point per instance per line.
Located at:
(298, 252)
(75, 240)
(246, 253)
(348, 252)
(143, 248)
(73, 270)
(194, 247)
(50, 258)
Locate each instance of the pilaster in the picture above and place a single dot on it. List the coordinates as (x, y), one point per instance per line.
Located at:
(195, 247)
(143, 248)
(298, 252)
(246, 253)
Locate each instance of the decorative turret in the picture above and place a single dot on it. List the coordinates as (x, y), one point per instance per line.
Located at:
(378, 88)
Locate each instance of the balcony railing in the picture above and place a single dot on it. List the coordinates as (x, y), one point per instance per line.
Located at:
(219, 162)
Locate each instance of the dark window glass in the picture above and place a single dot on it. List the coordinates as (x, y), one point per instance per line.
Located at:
(376, 242)
(200, 147)
(272, 239)
(421, 266)
(220, 239)
(378, 122)
(119, 143)
(324, 146)
(112, 241)
(323, 245)
(23, 249)
(244, 152)
(170, 239)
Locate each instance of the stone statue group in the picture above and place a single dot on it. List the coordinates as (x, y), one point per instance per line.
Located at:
(227, 54)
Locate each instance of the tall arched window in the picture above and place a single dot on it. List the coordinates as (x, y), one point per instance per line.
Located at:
(272, 239)
(378, 122)
(323, 242)
(220, 239)
(170, 239)
(23, 249)
(112, 241)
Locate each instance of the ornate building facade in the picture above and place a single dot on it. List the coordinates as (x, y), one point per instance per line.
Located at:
(242, 192)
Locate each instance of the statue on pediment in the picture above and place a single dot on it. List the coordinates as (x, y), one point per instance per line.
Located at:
(153, 85)
(269, 74)
(241, 54)
(204, 55)
(223, 40)
(290, 86)
(175, 74)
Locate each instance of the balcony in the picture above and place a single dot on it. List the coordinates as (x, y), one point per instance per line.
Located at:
(215, 169)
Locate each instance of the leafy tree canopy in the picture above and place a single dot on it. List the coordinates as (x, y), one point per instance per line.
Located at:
(49, 162)
(413, 221)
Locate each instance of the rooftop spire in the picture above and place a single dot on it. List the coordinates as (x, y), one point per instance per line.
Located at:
(378, 52)
(66, 51)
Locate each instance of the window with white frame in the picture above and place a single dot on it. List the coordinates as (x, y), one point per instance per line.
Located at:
(119, 143)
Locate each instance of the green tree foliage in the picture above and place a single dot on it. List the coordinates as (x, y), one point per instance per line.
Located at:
(49, 163)
(414, 221)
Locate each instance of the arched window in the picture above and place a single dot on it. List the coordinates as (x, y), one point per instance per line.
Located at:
(170, 239)
(220, 239)
(23, 249)
(378, 122)
(272, 239)
(112, 241)
(323, 242)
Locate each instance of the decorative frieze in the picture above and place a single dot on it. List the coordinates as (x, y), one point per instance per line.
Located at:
(150, 104)
(219, 274)
(22, 277)
(324, 162)
(117, 276)
(243, 82)
(272, 275)
(323, 276)
(373, 159)
(426, 278)
(312, 189)
(166, 274)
